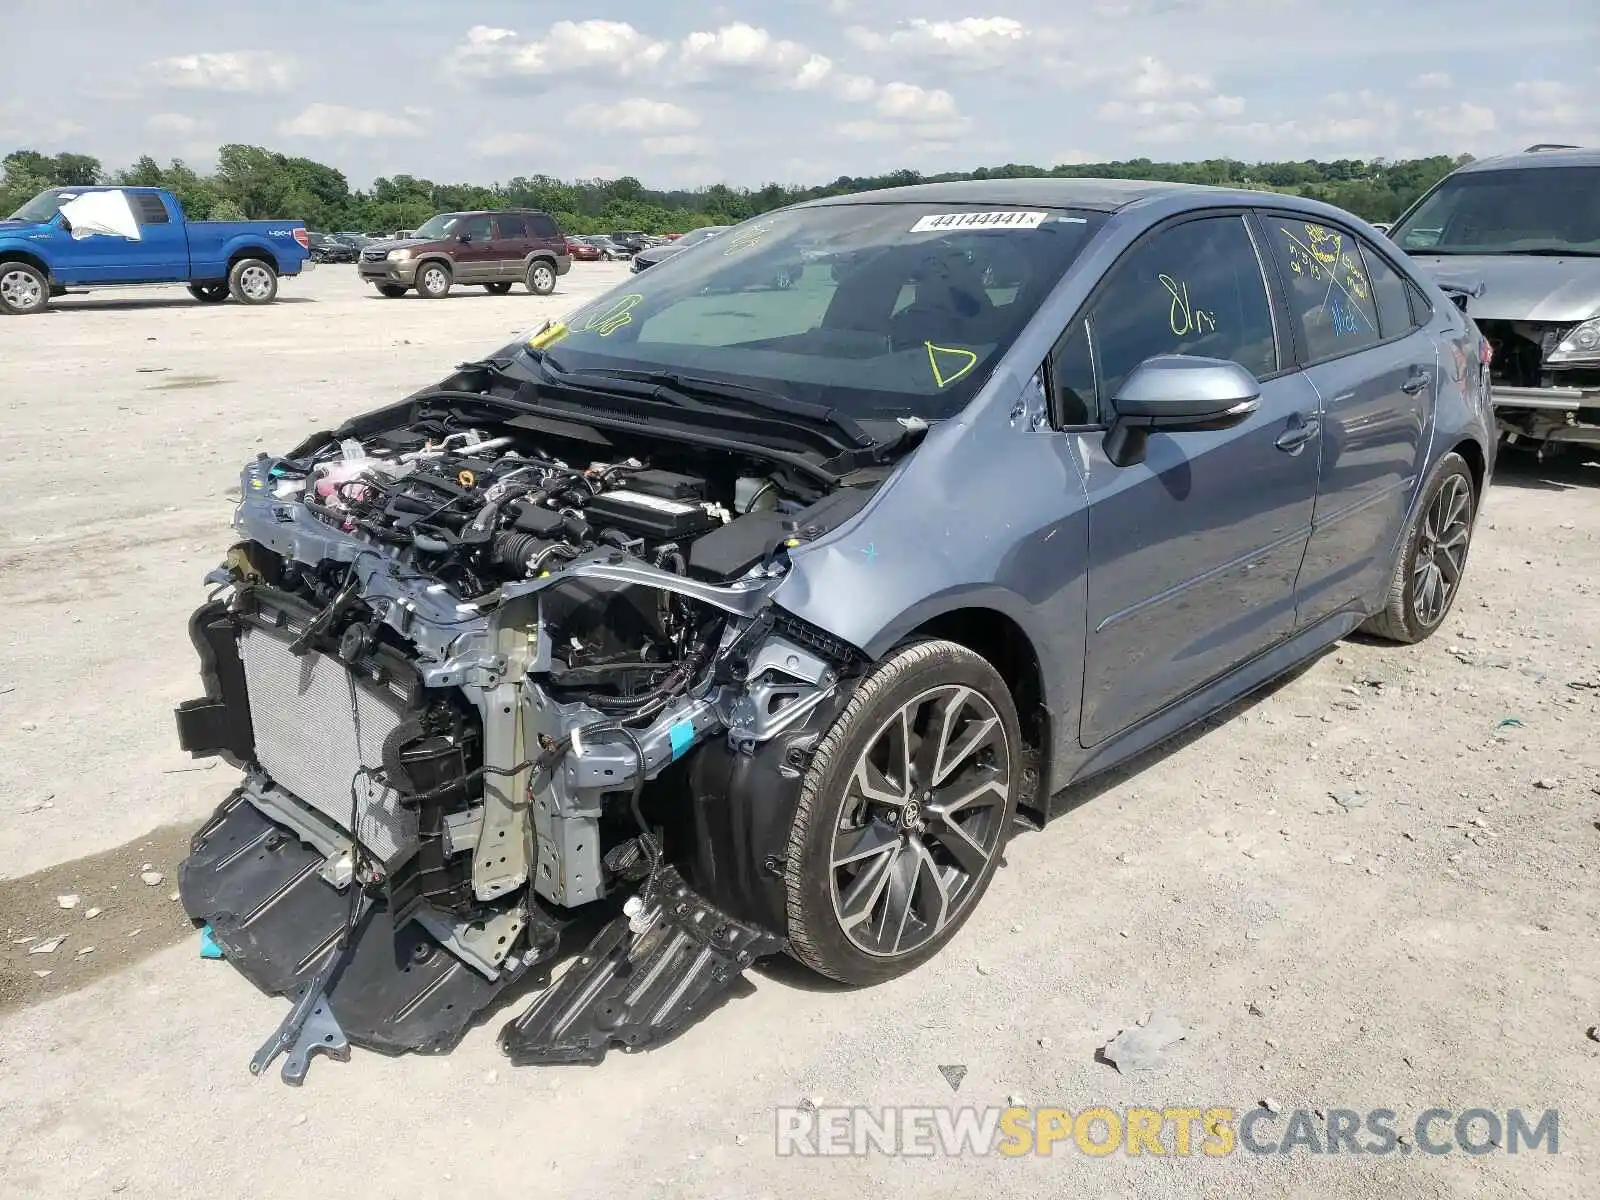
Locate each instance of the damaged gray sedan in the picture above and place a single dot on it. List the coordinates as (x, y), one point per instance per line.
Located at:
(751, 608)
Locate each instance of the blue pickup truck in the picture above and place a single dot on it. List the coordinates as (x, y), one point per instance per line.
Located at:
(115, 236)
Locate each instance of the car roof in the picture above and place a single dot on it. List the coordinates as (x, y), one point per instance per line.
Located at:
(1554, 156)
(1106, 195)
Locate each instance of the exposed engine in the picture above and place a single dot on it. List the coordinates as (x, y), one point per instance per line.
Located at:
(450, 655)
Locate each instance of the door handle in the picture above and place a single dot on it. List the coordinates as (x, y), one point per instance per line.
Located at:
(1415, 383)
(1296, 437)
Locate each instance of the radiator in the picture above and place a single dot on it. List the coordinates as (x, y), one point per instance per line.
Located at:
(306, 739)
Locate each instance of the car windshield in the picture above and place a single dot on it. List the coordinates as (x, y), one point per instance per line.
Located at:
(438, 227)
(879, 310)
(698, 235)
(43, 206)
(1514, 211)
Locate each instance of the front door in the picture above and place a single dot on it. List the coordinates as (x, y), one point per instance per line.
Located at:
(474, 253)
(1375, 367)
(1194, 552)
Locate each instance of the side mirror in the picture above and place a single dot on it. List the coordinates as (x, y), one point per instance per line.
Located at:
(464, 238)
(1177, 393)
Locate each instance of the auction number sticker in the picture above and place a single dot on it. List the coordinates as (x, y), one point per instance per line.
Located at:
(937, 222)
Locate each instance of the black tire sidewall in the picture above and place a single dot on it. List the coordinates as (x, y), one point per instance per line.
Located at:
(44, 289)
(391, 291)
(1450, 466)
(808, 877)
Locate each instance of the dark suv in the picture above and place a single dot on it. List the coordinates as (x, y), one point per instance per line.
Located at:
(490, 249)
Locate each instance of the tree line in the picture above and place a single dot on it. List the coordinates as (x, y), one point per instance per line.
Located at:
(253, 183)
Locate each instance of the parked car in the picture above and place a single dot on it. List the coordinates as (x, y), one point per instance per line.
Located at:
(110, 236)
(332, 248)
(1519, 237)
(609, 250)
(632, 242)
(490, 249)
(582, 251)
(769, 613)
(651, 255)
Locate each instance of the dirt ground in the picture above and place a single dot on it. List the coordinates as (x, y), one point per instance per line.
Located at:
(1376, 886)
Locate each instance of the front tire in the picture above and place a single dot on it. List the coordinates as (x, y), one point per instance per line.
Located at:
(541, 279)
(904, 811)
(252, 281)
(23, 289)
(1433, 556)
(433, 281)
(209, 293)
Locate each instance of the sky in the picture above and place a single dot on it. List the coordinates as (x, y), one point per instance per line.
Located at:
(797, 91)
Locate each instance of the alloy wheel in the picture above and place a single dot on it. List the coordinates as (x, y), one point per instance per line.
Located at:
(255, 282)
(1441, 551)
(21, 291)
(921, 819)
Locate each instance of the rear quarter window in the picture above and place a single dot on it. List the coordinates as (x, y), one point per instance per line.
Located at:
(543, 226)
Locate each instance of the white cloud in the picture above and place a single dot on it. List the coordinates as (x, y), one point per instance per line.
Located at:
(1154, 79)
(510, 145)
(612, 48)
(174, 123)
(229, 71)
(36, 131)
(634, 115)
(967, 39)
(335, 120)
(1458, 122)
(909, 102)
(855, 89)
(675, 146)
(1432, 81)
(1550, 104)
(746, 50)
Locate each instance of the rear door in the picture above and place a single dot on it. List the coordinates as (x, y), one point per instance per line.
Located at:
(476, 259)
(510, 244)
(1194, 552)
(162, 251)
(1375, 368)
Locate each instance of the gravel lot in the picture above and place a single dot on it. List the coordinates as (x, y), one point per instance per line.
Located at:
(1377, 886)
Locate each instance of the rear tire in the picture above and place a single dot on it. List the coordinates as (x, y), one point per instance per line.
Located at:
(392, 290)
(433, 280)
(24, 290)
(541, 280)
(209, 293)
(904, 813)
(497, 289)
(252, 281)
(1433, 556)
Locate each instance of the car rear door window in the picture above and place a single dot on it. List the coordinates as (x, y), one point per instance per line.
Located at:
(513, 228)
(1389, 293)
(1330, 292)
(1194, 288)
(148, 208)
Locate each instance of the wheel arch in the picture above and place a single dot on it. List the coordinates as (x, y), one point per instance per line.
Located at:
(253, 250)
(31, 259)
(1005, 645)
(1477, 463)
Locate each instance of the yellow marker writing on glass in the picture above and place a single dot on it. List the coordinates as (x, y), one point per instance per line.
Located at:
(949, 363)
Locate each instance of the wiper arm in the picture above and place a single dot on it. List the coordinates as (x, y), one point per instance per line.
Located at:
(762, 398)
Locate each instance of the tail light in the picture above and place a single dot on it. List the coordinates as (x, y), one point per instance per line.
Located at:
(303, 238)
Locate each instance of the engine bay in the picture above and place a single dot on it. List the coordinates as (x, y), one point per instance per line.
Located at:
(468, 669)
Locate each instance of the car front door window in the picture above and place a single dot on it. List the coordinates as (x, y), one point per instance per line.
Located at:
(1194, 288)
